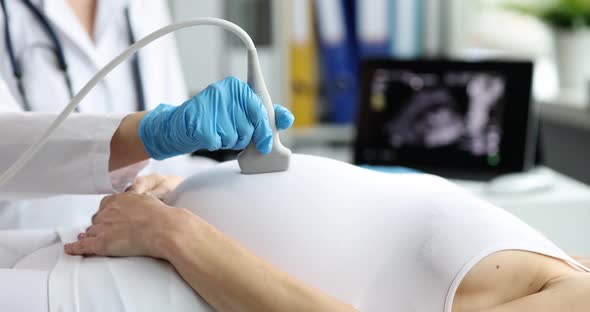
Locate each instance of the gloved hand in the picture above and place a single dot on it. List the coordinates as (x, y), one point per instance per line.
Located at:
(226, 115)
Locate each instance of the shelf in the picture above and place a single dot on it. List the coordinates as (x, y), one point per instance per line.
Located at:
(324, 134)
(566, 115)
(345, 134)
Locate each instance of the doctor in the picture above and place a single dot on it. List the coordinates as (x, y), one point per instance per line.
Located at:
(50, 49)
(97, 154)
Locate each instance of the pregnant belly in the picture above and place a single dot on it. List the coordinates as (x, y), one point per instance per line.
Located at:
(346, 231)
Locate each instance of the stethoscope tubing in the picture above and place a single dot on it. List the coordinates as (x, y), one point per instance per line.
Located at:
(60, 55)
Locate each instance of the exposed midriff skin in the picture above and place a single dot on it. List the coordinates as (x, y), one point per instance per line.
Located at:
(513, 280)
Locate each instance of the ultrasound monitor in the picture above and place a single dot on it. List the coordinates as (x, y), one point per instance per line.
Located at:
(457, 119)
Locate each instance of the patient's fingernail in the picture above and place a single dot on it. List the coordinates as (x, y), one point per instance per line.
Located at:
(81, 236)
(67, 247)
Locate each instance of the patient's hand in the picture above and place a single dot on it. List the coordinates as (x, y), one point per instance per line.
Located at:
(155, 184)
(127, 224)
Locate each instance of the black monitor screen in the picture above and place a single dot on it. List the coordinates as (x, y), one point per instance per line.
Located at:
(444, 115)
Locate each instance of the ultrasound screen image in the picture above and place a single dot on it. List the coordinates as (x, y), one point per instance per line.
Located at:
(464, 119)
(450, 110)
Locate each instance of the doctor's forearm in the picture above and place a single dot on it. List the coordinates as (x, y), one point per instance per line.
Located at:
(230, 278)
(126, 146)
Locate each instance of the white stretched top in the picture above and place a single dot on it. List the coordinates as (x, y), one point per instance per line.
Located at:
(381, 242)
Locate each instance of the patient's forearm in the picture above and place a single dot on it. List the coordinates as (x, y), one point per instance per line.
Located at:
(126, 146)
(565, 294)
(231, 278)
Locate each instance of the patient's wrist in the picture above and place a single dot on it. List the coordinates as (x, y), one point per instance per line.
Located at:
(176, 234)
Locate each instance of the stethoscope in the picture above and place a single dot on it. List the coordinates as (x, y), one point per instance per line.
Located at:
(59, 54)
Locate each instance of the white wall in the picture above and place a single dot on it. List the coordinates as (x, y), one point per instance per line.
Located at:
(201, 49)
(207, 55)
(495, 28)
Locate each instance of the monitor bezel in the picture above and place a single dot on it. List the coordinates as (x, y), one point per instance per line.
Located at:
(516, 142)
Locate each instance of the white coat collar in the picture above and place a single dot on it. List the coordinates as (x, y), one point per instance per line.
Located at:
(109, 14)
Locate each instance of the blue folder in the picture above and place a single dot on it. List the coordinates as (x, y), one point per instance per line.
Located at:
(338, 59)
(372, 28)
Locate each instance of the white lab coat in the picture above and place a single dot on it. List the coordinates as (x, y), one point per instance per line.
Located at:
(76, 159)
(80, 170)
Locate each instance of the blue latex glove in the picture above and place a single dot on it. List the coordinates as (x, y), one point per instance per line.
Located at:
(226, 115)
